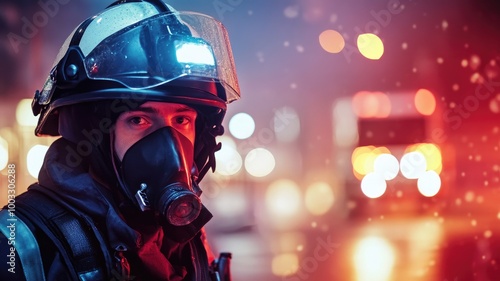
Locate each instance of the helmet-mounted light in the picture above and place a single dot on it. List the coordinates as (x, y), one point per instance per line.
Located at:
(194, 53)
(135, 48)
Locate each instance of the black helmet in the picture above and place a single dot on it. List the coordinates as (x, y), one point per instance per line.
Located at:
(142, 51)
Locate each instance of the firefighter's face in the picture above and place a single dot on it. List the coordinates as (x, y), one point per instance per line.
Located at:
(133, 125)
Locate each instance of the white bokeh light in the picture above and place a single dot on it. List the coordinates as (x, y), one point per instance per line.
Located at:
(374, 259)
(259, 162)
(373, 185)
(319, 198)
(228, 161)
(429, 183)
(387, 166)
(226, 141)
(4, 153)
(413, 165)
(241, 126)
(24, 114)
(283, 198)
(34, 159)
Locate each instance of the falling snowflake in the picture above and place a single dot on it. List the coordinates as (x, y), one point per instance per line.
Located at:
(444, 25)
(291, 12)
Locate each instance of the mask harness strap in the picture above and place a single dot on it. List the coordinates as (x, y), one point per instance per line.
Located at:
(207, 150)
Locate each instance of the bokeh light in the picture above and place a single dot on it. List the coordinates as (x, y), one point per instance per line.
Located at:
(370, 46)
(363, 159)
(319, 198)
(494, 104)
(228, 160)
(24, 113)
(34, 159)
(413, 165)
(374, 259)
(373, 185)
(386, 165)
(241, 125)
(283, 198)
(425, 102)
(285, 264)
(259, 162)
(331, 41)
(4, 153)
(429, 183)
(431, 153)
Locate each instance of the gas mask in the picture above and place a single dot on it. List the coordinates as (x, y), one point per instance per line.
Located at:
(158, 173)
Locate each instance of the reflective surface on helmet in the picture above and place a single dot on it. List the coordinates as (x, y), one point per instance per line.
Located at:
(113, 20)
(163, 48)
(107, 23)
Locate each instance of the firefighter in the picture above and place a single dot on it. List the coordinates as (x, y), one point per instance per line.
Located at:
(138, 94)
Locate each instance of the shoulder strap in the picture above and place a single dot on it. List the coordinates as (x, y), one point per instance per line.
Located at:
(75, 236)
(28, 251)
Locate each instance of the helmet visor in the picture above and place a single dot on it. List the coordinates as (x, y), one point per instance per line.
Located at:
(163, 48)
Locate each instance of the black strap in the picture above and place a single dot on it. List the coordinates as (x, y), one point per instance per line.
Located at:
(76, 238)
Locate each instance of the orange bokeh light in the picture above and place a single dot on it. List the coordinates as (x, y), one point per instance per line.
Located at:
(363, 159)
(432, 154)
(331, 41)
(425, 102)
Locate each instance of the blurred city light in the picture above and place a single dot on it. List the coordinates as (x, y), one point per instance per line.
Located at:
(259, 162)
(286, 124)
(319, 198)
(363, 159)
(226, 140)
(494, 104)
(425, 102)
(283, 198)
(4, 153)
(413, 165)
(228, 160)
(373, 185)
(386, 165)
(285, 264)
(431, 153)
(374, 259)
(370, 46)
(241, 125)
(24, 114)
(331, 41)
(429, 183)
(34, 159)
(359, 157)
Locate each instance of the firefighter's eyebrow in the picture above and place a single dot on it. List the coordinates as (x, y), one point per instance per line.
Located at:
(149, 109)
(145, 109)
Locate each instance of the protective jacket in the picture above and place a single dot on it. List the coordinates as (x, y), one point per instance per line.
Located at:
(109, 238)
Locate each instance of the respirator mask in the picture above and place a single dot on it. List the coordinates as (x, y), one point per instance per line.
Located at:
(158, 174)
